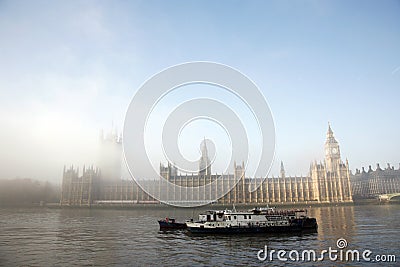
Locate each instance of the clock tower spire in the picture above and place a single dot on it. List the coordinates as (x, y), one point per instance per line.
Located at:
(331, 180)
(332, 151)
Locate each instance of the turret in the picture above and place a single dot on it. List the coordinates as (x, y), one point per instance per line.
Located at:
(370, 169)
(204, 162)
(378, 168)
(283, 175)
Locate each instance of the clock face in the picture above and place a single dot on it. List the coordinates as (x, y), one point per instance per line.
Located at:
(334, 150)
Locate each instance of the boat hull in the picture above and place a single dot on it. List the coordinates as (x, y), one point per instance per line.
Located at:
(307, 225)
(171, 225)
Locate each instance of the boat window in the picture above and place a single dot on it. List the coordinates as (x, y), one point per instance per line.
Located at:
(249, 216)
(234, 217)
(245, 217)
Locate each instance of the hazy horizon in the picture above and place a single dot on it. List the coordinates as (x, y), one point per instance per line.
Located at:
(69, 70)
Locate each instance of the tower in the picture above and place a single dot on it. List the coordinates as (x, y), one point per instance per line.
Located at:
(239, 178)
(331, 179)
(332, 151)
(168, 171)
(110, 155)
(283, 175)
(204, 162)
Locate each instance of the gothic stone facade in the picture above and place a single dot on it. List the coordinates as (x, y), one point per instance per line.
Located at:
(80, 190)
(328, 182)
(369, 184)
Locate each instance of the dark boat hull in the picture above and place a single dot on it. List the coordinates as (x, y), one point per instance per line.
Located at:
(304, 225)
(171, 225)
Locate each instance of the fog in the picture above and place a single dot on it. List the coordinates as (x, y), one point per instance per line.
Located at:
(39, 149)
(37, 141)
(54, 99)
(68, 71)
(15, 192)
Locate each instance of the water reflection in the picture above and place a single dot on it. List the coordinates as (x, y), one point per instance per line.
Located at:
(132, 237)
(334, 222)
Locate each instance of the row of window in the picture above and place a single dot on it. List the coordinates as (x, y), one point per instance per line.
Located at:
(235, 217)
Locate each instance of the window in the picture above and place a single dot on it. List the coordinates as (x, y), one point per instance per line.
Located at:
(245, 217)
(249, 216)
(234, 217)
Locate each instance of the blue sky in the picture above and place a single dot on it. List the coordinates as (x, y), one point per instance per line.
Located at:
(68, 69)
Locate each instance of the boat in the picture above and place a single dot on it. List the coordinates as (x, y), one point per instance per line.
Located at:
(257, 220)
(170, 223)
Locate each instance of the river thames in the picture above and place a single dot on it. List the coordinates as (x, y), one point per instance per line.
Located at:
(131, 237)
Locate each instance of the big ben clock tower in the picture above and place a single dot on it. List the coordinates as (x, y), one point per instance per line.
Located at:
(331, 179)
(332, 151)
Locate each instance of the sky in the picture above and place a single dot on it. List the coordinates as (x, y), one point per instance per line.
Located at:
(69, 69)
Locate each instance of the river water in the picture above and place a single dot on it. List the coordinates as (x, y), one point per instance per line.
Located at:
(131, 237)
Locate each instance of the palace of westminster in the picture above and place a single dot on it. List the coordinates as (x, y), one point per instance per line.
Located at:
(330, 181)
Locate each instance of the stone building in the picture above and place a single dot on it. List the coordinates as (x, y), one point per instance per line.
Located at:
(369, 184)
(110, 155)
(331, 179)
(80, 190)
(327, 182)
